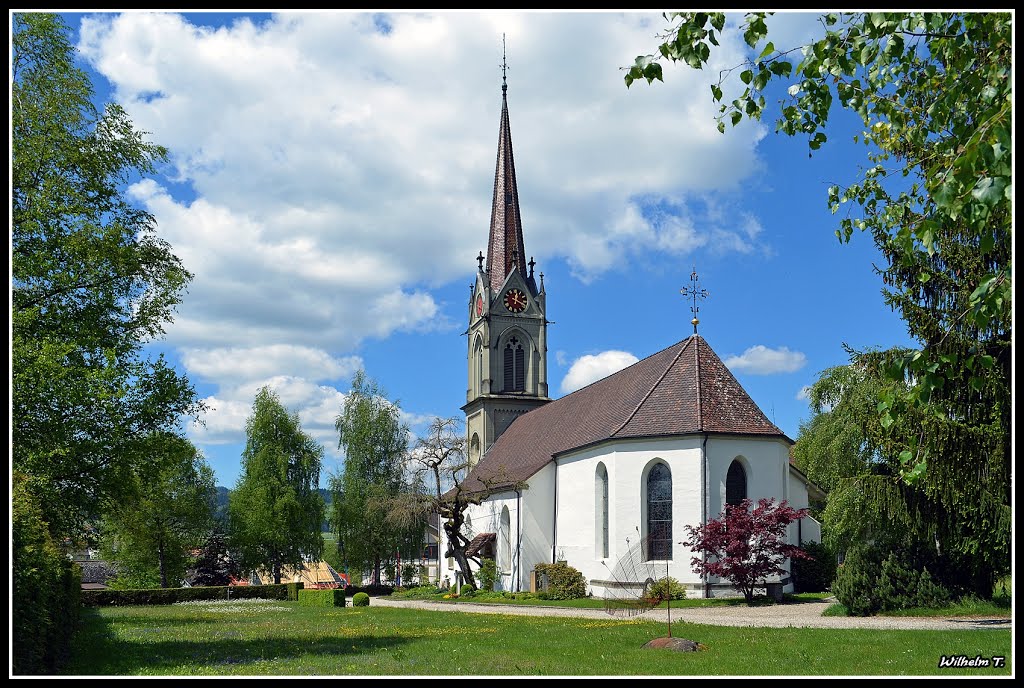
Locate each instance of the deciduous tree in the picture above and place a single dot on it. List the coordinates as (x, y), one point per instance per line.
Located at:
(745, 546)
(375, 440)
(151, 534)
(91, 284)
(275, 510)
(934, 93)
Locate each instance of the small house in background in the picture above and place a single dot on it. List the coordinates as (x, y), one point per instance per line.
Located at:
(96, 574)
(314, 575)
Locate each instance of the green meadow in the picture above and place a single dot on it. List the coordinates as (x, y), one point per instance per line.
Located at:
(253, 638)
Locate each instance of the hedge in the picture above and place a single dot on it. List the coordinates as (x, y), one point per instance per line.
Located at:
(322, 598)
(122, 598)
(45, 586)
(372, 590)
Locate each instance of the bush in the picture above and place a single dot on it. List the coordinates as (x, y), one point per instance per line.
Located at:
(467, 590)
(667, 588)
(817, 573)
(360, 599)
(409, 572)
(865, 583)
(45, 600)
(903, 586)
(322, 598)
(855, 582)
(123, 598)
(564, 582)
(374, 590)
(488, 574)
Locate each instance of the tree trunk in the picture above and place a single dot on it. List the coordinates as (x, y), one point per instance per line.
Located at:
(277, 573)
(163, 565)
(376, 570)
(457, 549)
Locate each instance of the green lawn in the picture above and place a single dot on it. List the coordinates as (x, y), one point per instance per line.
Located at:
(525, 599)
(282, 638)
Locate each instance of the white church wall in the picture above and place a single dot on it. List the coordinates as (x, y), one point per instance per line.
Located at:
(765, 462)
(529, 531)
(537, 523)
(807, 529)
(627, 464)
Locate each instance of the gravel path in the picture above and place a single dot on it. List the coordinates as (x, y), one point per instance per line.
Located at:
(804, 614)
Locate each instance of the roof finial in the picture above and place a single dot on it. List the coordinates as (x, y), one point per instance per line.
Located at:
(695, 291)
(480, 261)
(504, 65)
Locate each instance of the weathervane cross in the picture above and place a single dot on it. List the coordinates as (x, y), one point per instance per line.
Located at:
(694, 291)
(504, 64)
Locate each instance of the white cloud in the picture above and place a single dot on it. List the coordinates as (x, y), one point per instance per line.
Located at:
(561, 358)
(326, 176)
(804, 394)
(236, 364)
(316, 405)
(591, 368)
(760, 360)
(338, 174)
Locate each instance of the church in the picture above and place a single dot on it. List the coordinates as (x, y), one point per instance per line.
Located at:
(665, 443)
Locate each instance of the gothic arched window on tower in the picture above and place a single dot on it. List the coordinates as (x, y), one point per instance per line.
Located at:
(735, 484)
(659, 513)
(515, 366)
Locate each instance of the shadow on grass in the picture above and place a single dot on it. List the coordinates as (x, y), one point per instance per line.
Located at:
(98, 651)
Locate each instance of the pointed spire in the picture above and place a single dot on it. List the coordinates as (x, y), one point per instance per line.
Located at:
(505, 245)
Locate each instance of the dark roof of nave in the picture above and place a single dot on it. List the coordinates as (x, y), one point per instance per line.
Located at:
(682, 390)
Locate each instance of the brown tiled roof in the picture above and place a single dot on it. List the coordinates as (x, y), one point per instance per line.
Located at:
(478, 543)
(681, 390)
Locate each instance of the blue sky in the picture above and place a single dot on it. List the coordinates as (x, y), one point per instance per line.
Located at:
(330, 180)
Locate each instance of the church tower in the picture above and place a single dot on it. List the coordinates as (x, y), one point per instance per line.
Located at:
(507, 352)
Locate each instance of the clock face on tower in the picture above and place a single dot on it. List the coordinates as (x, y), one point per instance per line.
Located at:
(515, 300)
(479, 304)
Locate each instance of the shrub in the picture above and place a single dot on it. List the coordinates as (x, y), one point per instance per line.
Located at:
(855, 581)
(902, 586)
(322, 598)
(121, 598)
(409, 572)
(375, 590)
(897, 584)
(488, 574)
(467, 590)
(360, 599)
(667, 588)
(46, 585)
(817, 573)
(564, 582)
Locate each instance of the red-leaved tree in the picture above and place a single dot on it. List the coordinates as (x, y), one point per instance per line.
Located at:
(745, 546)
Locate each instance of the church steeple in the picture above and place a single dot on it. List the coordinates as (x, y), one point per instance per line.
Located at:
(507, 344)
(505, 245)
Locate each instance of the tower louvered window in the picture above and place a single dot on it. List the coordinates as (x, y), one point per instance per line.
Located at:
(515, 366)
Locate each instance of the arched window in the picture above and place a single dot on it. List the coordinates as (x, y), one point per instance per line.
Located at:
(735, 484)
(505, 541)
(601, 511)
(515, 366)
(474, 448)
(478, 372)
(659, 513)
